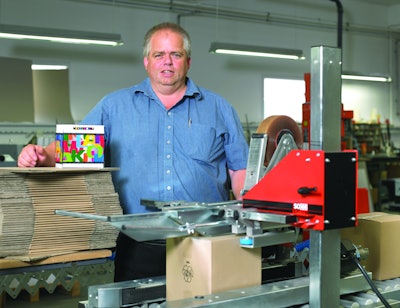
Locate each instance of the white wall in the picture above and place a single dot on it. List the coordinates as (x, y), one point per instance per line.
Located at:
(95, 71)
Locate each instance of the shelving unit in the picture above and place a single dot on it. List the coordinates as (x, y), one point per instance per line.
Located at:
(370, 135)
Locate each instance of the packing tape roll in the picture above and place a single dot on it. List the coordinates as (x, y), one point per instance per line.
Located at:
(274, 127)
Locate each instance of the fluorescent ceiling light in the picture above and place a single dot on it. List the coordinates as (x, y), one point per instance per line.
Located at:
(256, 51)
(59, 36)
(49, 67)
(361, 77)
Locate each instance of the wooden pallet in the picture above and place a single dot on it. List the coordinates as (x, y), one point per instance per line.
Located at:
(30, 260)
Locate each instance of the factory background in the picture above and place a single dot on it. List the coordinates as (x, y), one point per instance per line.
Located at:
(32, 105)
(370, 46)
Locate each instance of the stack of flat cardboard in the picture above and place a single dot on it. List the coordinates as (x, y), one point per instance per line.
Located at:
(29, 198)
(16, 215)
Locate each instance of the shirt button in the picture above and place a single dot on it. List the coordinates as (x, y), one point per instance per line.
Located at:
(169, 127)
(168, 156)
(168, 187)
(168, 141)
(169, 113)
(168, 171)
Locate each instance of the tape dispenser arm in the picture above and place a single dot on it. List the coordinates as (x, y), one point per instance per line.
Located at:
(275, 137)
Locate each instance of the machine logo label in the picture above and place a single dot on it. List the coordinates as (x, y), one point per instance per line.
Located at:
(299, 206)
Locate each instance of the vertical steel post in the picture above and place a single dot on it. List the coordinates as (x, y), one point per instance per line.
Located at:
(325, 135)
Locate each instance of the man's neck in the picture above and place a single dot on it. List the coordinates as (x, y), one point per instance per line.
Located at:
(169, 97)
(170, 101)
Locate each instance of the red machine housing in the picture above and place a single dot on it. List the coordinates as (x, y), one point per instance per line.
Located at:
(317, 188)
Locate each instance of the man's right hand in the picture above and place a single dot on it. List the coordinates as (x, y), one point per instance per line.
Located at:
(33, 156)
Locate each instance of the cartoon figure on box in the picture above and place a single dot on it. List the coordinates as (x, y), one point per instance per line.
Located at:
(79, 148)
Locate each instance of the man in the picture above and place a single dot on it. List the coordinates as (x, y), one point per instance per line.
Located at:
(171, 140)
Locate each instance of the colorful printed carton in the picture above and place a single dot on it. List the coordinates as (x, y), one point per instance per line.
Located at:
(79, 146)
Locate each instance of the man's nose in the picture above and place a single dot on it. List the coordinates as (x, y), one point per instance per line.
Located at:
(168, 59)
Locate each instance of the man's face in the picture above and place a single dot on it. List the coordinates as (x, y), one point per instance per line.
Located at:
(167, 63)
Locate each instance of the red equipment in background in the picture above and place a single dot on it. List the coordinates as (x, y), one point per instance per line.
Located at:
(347, 118)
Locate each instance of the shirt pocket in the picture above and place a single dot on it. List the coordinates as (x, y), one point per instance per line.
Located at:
(201, 142)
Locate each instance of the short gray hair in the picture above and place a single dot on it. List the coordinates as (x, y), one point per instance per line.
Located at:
(187, 45)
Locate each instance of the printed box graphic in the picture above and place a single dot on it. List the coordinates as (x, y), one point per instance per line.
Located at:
(79, 146)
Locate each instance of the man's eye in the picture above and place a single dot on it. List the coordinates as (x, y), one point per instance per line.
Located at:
(157, 55)
(177, 55)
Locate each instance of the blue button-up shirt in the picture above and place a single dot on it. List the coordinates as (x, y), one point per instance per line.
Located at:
(178, 154)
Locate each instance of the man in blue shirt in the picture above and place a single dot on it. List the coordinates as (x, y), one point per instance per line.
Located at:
(172, 140)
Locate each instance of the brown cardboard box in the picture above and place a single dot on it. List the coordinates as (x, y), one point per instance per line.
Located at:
(204, 265)
(380, 233)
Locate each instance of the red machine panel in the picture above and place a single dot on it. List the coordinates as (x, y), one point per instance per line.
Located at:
(317, 187)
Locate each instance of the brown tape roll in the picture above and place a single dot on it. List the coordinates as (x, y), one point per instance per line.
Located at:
(274, 127)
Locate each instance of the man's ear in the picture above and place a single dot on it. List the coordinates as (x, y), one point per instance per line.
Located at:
(145, 62)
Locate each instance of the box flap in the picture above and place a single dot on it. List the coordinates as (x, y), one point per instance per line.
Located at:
(379, 217)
